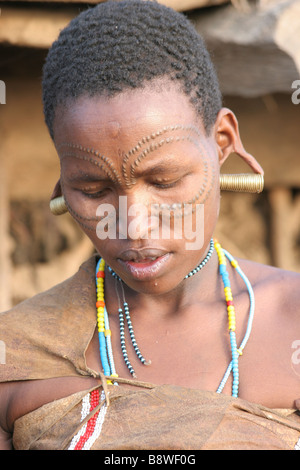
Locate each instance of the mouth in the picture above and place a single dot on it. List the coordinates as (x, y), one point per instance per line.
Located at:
(144, 264)
(150, 254)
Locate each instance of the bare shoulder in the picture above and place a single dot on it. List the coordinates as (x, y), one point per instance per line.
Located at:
(277, 303)
(272, 355)
(274, 286)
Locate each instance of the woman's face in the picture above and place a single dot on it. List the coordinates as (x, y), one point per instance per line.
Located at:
(140, 176)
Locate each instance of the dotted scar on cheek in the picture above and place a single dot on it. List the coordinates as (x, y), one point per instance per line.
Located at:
(79, 218)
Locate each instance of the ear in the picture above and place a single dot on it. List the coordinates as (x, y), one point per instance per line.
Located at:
(57, 192)
(228, 140)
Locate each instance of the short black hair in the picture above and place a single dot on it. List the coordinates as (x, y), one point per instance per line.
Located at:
(117, 46)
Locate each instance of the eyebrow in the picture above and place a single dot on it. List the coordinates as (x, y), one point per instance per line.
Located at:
(160, 168)
(86, 178)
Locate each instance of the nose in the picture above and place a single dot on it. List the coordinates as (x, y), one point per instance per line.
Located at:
(135, 221)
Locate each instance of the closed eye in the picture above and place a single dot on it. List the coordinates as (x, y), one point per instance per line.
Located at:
(168, 182)
(94, 194)
(162, 185)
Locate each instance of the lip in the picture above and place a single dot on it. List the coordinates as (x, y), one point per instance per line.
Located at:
(141, 254)
(139, 265)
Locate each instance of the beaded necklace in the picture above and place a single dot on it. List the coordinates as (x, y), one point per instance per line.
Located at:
(128, 319)
(91, 427)
(104, 331)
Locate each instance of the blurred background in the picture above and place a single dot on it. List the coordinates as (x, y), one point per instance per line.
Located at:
(255, 46)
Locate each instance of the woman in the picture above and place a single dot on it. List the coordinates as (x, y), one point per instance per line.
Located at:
(133, 106)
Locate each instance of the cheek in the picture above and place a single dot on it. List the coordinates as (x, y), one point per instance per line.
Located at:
(206, 178)
(212, 210)
(83, 211)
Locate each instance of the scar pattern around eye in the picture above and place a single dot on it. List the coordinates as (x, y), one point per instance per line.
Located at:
(130, 180)
(102, 161)
(108, 167)
(79, 218)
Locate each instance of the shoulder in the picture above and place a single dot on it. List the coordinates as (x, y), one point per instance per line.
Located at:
(277, 297)
(275, 282)
(272, 355)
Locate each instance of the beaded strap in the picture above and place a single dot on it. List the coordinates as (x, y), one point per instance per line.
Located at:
(90, 431)
(231, 318)
(236, 352)
(104, 331)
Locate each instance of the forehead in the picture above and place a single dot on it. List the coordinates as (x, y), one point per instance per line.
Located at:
(110, 123)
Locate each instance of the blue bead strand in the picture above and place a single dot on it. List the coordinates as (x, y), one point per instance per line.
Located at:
(102, 341)
(250, 318)
(231, 318)
(251, 299)
(104, 332)
(103, 354)
(109, 346)
(235, 365)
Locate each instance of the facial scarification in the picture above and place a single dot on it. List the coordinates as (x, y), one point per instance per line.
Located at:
(83, 153)
(133, 158)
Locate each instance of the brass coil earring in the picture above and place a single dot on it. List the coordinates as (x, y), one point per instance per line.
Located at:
(245, 183)
(58, 206)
